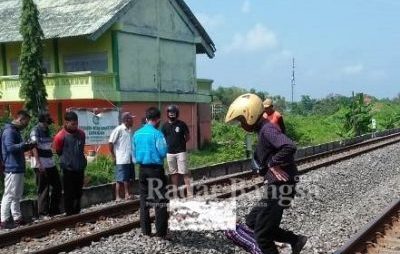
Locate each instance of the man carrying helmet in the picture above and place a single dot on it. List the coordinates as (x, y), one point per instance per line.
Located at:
(273, 116)
(177, 135)
(274, 155)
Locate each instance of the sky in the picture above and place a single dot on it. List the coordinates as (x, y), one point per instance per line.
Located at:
(339, 46)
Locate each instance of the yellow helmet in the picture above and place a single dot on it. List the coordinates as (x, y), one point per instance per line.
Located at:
(246, 108)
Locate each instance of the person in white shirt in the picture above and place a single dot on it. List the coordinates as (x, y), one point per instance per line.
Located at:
(120, 148)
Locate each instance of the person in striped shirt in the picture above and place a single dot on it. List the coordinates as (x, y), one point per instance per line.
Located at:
(47, 176)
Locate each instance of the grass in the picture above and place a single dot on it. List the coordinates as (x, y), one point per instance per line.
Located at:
(100, 171)
(227, 145)
(311, 130)
(387, 115)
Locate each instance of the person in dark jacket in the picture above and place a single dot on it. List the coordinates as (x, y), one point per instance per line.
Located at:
(274, 155)
(13, 148)
(176, 133)
(69, 144)
(47, 177)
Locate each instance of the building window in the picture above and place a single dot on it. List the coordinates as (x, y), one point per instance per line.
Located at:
(86, 62)
(14, 63)
(14, 66)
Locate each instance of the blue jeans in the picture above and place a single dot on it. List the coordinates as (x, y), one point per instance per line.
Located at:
(124, 172)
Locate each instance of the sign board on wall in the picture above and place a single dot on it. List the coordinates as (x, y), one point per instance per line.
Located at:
(97, 125)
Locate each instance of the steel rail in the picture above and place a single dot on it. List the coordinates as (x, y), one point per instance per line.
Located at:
(345, 148)
(44, 228)
(87, 240)
(359, 242)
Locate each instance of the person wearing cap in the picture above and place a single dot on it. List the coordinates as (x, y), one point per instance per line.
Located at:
(120, 145)
(273, 116)
(274, 157)
(177, 134)
(47, 176)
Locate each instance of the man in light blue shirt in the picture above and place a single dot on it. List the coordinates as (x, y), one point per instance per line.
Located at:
(149, 149)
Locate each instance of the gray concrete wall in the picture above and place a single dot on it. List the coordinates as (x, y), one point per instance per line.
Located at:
(156, 48)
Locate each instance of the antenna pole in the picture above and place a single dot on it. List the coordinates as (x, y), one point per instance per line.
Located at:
(293, 78)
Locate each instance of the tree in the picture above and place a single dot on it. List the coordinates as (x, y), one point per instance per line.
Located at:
(397, 98)
(357, 117)
(31, 71)
(304, 106)
(262, 95)
(307, 103)
(226, 95)
(331, 104)
(279, 103)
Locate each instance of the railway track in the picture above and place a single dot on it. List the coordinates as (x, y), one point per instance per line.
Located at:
(381, 235)
(306, 164)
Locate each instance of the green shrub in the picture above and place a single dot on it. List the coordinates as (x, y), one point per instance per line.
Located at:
(387, 115)
(30, 187)
(357, 118)
(228, 143)
(100, 171)
(313, 129)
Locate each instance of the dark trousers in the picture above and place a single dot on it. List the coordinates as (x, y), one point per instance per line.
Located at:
(266, 217)
(73, 183)
(48, 182)
(153, 184)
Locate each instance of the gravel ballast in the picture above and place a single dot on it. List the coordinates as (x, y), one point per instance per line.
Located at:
(335, 203)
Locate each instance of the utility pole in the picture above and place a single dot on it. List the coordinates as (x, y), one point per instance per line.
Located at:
(158, 71)
(293, 78)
